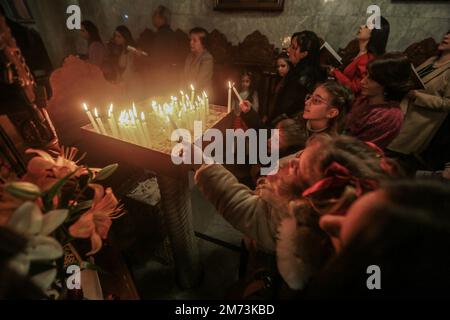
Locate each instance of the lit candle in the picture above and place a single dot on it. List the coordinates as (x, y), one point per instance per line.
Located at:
(123, 127)
(192, 93)
(100, 122)
(145, 128)
(237, 95)
(112, 123)
(206, 103)
(229, 96)
(91, 119)
(140, 132)
(183, 98)
(132, 127)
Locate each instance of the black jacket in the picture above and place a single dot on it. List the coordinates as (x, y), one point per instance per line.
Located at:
(300, 81)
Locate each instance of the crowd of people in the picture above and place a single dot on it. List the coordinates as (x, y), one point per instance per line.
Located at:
(345, 196)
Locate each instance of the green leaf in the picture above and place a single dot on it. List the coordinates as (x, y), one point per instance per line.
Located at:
(23, 190)
(80, 207)
(106, 172)
(50, 194)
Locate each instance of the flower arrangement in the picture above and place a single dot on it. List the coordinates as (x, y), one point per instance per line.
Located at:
(50, 207)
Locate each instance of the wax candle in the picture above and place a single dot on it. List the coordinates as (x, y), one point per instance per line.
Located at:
(100, 123)
(192, 93)
(206, 103)
(237, 95)
(132, 127)
(183, 98)
(145, 128)
(112, 123)
(229, 96)
(91, 119)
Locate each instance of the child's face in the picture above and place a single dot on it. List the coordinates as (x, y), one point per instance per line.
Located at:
(282, 67)
(245, 83)
(318, 106)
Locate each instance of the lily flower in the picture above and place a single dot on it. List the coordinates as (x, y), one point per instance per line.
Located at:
(95, 222)
(45, 170)
(29, 221)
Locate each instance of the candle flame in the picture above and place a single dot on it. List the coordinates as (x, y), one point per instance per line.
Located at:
(95, 112)
(181, 92)
(85, 107)
(142, 116)
(192, 87)
(229, 84)
(205, 94)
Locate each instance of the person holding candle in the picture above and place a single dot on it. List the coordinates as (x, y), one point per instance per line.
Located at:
(247, 91)
(199, 64)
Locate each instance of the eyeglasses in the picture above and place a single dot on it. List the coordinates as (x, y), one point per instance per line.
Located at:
(316, 100)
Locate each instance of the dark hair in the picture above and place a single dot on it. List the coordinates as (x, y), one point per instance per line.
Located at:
(308, 41)
(92, 30)
(309, 67)
(342, 99)
(409, 239)
(204, 39)
(393, 72)
(284, 56)
(126, 33)
(252, 88)
(379, 38)
(2, 10)
(164, 13)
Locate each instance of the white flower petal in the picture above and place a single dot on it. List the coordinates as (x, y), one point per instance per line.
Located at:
(27, 219)
(20, 264)
(53, 220)
(44, 280)
(42, 154)
(44, 248)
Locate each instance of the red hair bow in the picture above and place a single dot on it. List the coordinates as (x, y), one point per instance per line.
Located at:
(384, 164)
(338, 176)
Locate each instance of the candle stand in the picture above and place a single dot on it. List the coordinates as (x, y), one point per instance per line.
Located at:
(173, 182)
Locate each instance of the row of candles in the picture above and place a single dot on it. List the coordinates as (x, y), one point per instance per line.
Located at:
(133, 125)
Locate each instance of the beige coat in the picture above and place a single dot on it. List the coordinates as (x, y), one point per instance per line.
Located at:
(425, 114)
(277, 225)
(199, 71)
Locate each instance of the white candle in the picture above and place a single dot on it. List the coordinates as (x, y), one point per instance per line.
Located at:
(237, 95)
(206, 104)
(192, 93)
(229, 96)
(112, 123)
(145, 129)
(100, 123)
(183, 99)
(91, 119)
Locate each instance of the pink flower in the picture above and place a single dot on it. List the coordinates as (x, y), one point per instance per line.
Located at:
(45, 170)
(95, 223)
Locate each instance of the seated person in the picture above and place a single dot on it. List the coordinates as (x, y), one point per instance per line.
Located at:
(425, 110)
(199, 64)
(284, 65)
(96, 49)
(324, 113)
(372, 43)
(376, 115)
(301, 80)
(408, 240)
(258, 213)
